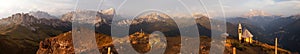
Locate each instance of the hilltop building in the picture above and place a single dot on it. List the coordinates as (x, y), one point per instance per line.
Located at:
(244, 36)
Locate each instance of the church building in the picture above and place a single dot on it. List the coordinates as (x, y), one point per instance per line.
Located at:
(244, 36)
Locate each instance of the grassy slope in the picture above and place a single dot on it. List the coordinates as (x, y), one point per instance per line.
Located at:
(24, 40)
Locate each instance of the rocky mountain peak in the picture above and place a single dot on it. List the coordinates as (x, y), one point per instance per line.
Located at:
(82, 15)
(29, 21)
(101, 16)
(110, 11)
(154, 16)
(19, 18)
(198, 15)
(253, 12)
(107, 15)
(150, 17)
(42, 14)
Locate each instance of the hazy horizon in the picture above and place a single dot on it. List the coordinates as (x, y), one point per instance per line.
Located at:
(232, 8)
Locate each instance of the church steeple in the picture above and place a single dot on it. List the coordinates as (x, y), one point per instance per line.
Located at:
(142, 32)
(276, 44)
(240, 31)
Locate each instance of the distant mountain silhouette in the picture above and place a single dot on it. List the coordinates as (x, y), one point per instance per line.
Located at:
(290, 38)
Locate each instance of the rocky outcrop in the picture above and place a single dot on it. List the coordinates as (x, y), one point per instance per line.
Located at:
(103, 16)
(27, 20)
(42, 14)
(151, 17)
(62, 44)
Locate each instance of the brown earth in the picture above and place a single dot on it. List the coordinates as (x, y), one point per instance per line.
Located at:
(62, 44)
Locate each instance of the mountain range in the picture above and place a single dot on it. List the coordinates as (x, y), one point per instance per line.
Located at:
(42, 14)
(267, 28)
(25, 30)
(21, 32)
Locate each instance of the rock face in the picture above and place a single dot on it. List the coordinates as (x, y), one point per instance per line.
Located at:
(154, 22)
(83, 16)
(42, 14)
(27, 20)
(103, 16)
(61, 44)
(108, 14)
(151, 17)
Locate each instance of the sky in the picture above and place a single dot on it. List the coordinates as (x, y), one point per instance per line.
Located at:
(231, 8)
